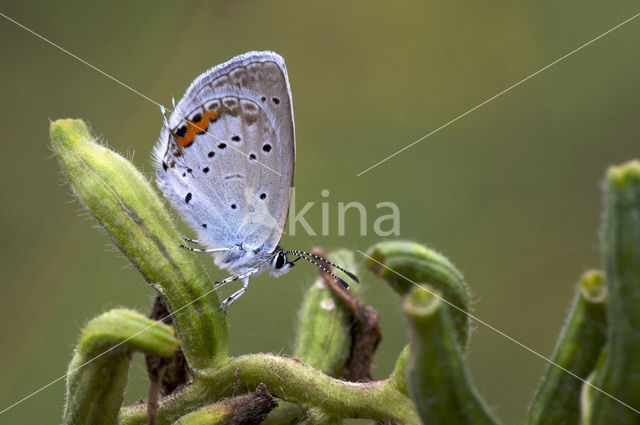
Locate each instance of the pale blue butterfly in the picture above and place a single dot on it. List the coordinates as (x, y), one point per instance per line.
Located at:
(226, 159)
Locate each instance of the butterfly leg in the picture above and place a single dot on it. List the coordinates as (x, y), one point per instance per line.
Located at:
(225, 281)
(188, 248)
(230, 300)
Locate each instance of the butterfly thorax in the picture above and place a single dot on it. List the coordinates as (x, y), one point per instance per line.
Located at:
(239, 260)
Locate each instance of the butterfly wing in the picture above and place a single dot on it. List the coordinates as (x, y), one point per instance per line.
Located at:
(226, 156)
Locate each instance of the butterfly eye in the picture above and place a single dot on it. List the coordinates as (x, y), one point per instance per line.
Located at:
(280, 260)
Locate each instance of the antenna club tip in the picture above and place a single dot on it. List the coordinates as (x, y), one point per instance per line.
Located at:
(352, 276)
(342, 283)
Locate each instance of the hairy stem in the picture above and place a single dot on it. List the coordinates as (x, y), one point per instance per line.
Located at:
(323, 339)
(394, 259)
(438, 379)
(618, 372)
(98, 373)
(557, 400)
(248, 409)
(293, 381)
(128, 208)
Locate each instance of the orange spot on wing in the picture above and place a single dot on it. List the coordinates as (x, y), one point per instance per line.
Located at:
(185, 140)
(195, 128)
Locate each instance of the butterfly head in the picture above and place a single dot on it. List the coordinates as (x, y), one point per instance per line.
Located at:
(280, 264)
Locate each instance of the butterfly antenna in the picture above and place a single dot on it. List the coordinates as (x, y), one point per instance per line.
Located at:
(344, 284)
(317, 257)
(301, 254)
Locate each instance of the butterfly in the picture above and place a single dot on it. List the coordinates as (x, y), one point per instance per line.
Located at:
(225, 160)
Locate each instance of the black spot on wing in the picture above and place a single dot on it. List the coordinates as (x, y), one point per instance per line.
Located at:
(181, 131)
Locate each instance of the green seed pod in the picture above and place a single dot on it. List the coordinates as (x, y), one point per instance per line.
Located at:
(438, 379)
(557, 400)
(403, 265)
(618, 371)
(98, 373)
(128, 208)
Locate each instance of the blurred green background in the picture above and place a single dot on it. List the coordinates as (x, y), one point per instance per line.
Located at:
(511, 193)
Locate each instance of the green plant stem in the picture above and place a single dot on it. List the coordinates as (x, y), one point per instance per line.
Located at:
(618, 372)
(213, 414)
(248, 409)
(557, 400)
(128, 208)
(438, 379)
(98, 373)
(323, 337)
(394, 259)
(399, 374)
(293, 381)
